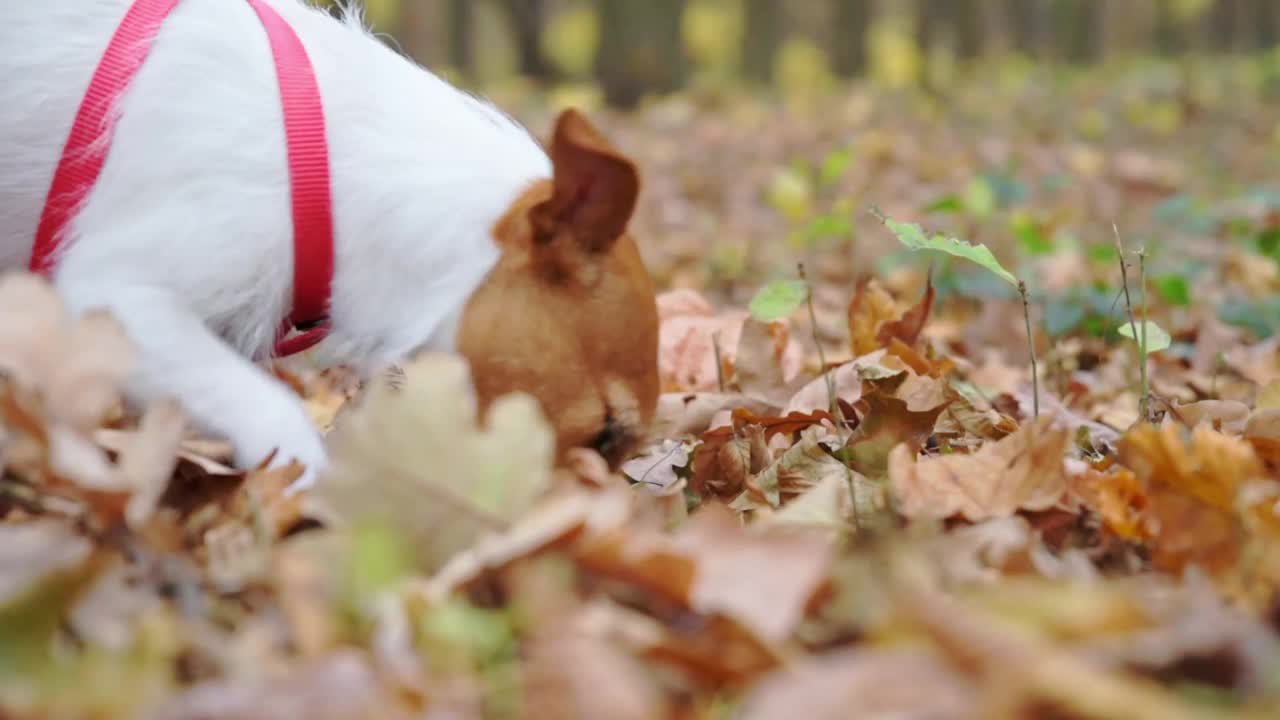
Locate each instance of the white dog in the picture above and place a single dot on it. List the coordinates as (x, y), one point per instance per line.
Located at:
(453, 229)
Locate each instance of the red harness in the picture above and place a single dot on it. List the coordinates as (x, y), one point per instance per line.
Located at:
(306, 146)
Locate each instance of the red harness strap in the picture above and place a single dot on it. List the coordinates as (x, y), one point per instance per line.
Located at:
(306, 146)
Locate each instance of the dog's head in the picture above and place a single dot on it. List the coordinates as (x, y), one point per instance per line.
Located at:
(568, 314)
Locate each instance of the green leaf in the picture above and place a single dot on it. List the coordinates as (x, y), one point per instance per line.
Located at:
(1269, 242)
(1157, 338)
(1102, 253)
(826, 227)
(834, 166)
(980, 198)
(910, 235)
(789, 193)
(946, 204)
(1031, 236)
(1173, 289)
(778, 299)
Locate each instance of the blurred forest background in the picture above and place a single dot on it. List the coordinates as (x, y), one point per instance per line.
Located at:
(765, 130)
(659, 46)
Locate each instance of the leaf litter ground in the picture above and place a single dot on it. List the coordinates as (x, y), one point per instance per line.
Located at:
(846, 499)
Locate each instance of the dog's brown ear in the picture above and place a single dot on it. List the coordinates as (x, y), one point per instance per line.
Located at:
(594, 189)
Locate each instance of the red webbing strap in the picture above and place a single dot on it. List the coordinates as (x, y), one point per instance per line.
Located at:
(82, 160)
(308, 152)
(306, 146)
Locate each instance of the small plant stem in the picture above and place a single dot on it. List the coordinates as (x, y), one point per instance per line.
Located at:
(715, 347)
(832, 405)
(1144, 404)
(1141, 340)
(1031, 349)
(1219, 362)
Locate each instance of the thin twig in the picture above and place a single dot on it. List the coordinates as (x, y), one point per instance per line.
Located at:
(715, 347)
(832, 401)
(1031, 349)
(1133, 325)
(832, 404)
(1144, 407)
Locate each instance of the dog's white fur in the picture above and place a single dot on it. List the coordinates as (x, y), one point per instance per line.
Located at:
(187, 235)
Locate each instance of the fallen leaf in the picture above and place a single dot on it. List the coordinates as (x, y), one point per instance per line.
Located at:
(761, 579)
(816, 395)
(419, 459)
(1118, 497)
(1228, 416)
(907, 329)
(729, 458)
(887, 422)
(657, 467)
(692, 413)
(871, 308)
(761, 365)
(1021, 472)
(572, 672)
(863, 683)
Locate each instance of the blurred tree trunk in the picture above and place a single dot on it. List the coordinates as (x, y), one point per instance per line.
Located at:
(641, 49)
(960, 20)
(1080, 29)
(1169, 37)
(848, 46)
(761, 40)
(966, 21)
(926, 19)
(1224, 22)
(1266, 23)
(461, 28)
(528, 18)
(1024, 25)
(420, 33)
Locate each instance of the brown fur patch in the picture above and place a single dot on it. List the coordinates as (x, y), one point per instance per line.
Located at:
(567, 314)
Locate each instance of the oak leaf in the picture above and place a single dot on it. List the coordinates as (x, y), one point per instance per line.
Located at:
(1021, 472)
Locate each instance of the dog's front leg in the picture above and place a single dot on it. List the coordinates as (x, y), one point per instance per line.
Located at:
(221, 391)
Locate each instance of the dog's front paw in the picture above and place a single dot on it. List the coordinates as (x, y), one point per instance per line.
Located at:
(289, 438)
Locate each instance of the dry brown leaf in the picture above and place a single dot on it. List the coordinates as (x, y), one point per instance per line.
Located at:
(765, 361)
(886, 423)
(1030, 668)
(1118, 497)
(1211, 467)
(656, 468)
(418, 457)
(31, 551)
(148, 459)
(870, 309)
(692, 413)
(553, 523)
(572, 673)
(863, 683)
(339, 686)
(995, 376)
(1202, 489)
(761, 579)
(688, 337)
(907, 329)
(816, 395)
(1228, 416)
(728, 459)
(1021, 472)
(1262, 431)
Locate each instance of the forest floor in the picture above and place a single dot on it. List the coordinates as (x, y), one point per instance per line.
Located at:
(849, 506)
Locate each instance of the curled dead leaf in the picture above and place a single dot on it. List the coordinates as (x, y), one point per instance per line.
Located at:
(870, 309)
(1021, 472)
